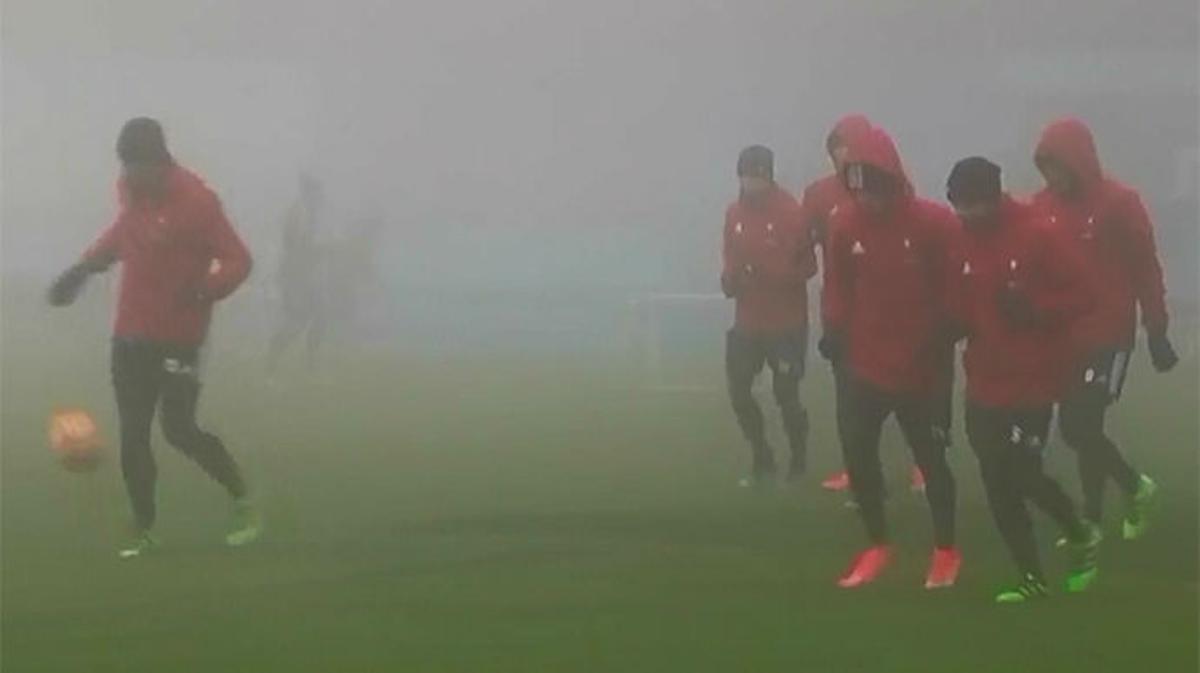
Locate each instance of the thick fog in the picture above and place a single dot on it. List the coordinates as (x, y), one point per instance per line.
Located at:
(532, 160)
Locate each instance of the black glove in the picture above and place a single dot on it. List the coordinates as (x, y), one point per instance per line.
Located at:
(67, 286)
(737, 280)
(1016, 307)
(729, 286)
(831, 347)
(1162, 355)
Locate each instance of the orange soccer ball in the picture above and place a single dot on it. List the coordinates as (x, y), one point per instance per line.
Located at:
(75, 439)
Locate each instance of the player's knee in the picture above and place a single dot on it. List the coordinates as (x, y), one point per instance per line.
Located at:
(1077, 431)
(741, 392)
(180, 432)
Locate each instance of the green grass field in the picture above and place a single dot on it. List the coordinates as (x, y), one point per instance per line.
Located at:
(510, 514)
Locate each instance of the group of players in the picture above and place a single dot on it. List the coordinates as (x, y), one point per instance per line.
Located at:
(1044, 294)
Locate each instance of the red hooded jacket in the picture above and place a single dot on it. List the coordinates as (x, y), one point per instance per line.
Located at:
(1109, 226)
(823, 195)
(884, 287)
(1009, 365)
(177, 257)
(767, 261)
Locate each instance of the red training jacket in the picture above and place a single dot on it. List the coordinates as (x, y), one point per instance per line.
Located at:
(170, 252)
(1111, 229)
(767, 261)
(823, 195)
(884, 287)
(1013, 366)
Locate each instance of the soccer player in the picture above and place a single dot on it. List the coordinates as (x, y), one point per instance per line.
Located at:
(1109, 227)
(884, 325)
(299, 277)
(1016, 291)
(819, 200)
(767, 261)
(179, 255)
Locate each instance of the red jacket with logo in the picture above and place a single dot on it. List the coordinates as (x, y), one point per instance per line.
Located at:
(171, 252)
(1010, 365)
(767, 261)
(884, 287)
(823, 195)
(1111, 230)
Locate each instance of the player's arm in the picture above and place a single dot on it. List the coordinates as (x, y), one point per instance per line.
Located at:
(231, 260)
(1146, 273)
(837, 293)
(99, 256)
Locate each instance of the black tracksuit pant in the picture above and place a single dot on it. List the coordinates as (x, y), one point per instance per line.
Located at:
(862, 409)
(1081, 422)
(1009, 444)
(745, 356)
(148, 376)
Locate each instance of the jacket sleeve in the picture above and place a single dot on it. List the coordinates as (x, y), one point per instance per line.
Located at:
(230, 259)
(837, 292)
(106, 249)
(1144, 267)
(1065, 292)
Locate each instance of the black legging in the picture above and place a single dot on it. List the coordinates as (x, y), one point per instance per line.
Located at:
(862, 410)
(745, 357)
(144, 375)
(1081, 422)
(1009, 443)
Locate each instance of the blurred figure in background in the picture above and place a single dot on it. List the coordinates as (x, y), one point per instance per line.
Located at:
(350, 274)
(299, 277)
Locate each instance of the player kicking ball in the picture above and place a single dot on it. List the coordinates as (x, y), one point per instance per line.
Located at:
(1017, 293)
(179, 255)
(767, 261)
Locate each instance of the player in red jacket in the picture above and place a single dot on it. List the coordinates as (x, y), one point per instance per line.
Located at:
(1015, 290)
(767, 261)
(1109, 227)
(820, 199)
(884, 325)
(179, 255)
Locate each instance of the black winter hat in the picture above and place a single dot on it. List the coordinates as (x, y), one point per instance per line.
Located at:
(973, 180)
(756, 161)
(142, 141)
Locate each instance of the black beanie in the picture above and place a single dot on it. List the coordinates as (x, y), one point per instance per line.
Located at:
(973, 180)
(142, 141)
(756, 161)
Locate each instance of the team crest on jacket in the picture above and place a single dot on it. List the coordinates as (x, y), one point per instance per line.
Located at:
(737, 228)
(858, 249)
(966, 270)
